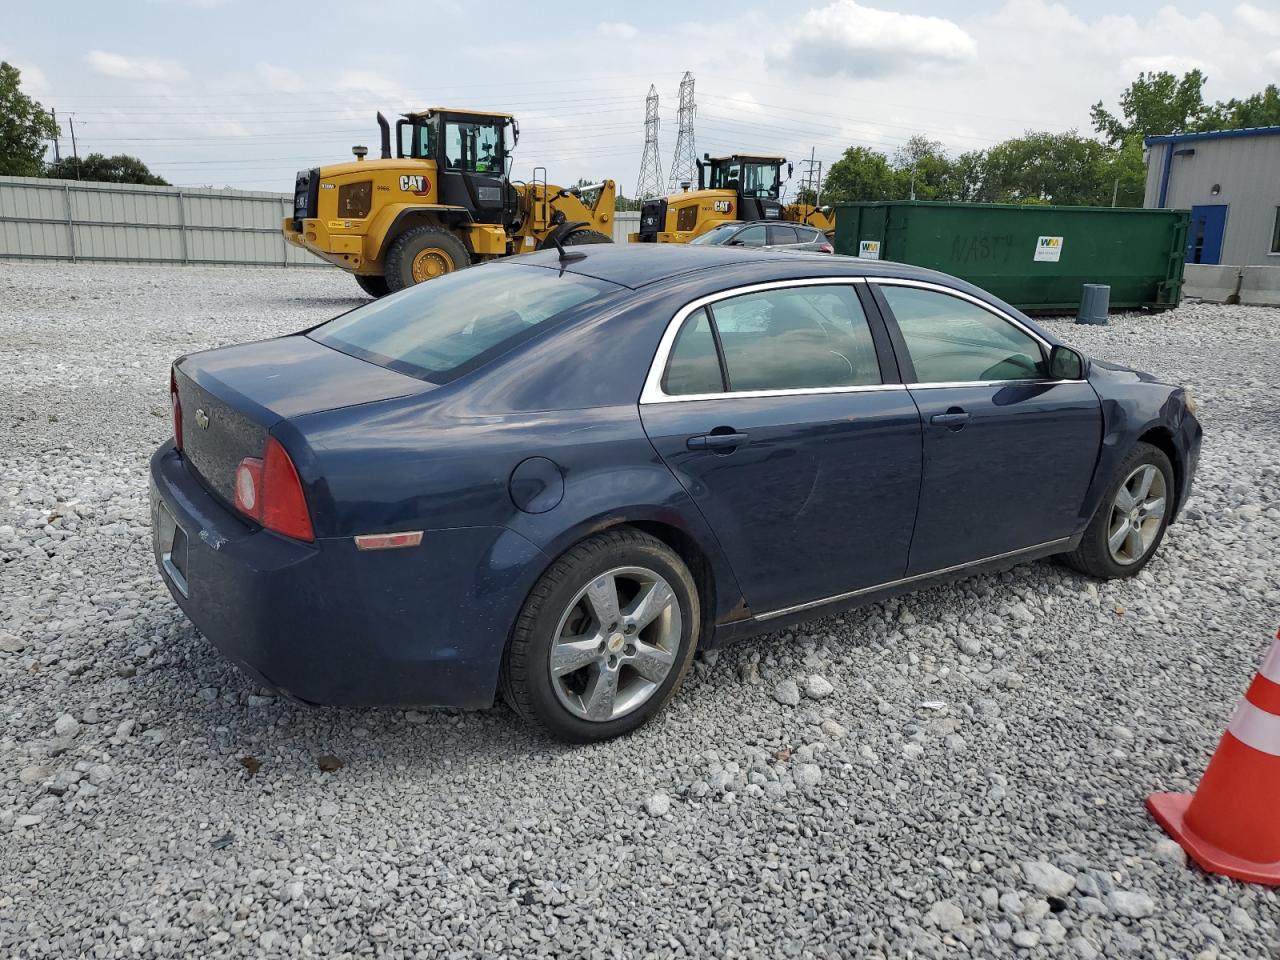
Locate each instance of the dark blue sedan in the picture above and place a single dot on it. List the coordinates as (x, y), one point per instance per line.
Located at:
(557, 476)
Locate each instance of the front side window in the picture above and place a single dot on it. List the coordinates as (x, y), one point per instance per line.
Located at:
(473, 146)
(717, 235)
(795, 338)
(749, 237)
(951, 340)
(442, 329)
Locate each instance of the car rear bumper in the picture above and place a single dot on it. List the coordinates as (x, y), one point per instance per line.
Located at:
(328, 624)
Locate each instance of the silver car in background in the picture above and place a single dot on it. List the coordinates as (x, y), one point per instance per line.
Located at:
(768, 235)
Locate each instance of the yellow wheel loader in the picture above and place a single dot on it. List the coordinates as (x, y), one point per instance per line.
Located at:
(732, 188)
(443, 201)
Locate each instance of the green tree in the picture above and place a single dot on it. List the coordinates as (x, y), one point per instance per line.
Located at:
(1044, 167)
(1155, 103)
(968, 171)
(24, 126)
(923, 170)
(121, 168)
(1260, 110)
(806, 195)
(861, 174)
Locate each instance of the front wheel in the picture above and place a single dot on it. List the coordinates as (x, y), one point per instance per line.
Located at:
(604, 639)
(374, 286)
(422, 254)
(1130, 522)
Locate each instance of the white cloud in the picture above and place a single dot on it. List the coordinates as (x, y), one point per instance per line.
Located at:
(1259, 20)
(281, 78)
(1273, 58)
(617, 31)
(133, 68)
(206, 4)
(846, 38)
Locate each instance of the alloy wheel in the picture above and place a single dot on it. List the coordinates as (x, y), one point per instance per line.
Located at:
(1137, 514)
(430, 263)
(615, 644)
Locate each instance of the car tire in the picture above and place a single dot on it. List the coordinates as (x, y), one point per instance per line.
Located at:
(580, 237)
(1128, 520)
(374, 286)
(422, 254)
(558, 626)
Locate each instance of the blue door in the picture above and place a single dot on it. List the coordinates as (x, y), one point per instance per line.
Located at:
(1008, 455)
(1204, 235)
(774, 412)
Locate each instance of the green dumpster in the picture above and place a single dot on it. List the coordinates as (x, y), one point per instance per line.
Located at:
(1036, 257)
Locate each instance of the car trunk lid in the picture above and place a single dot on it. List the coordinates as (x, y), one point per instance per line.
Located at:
(232, 397)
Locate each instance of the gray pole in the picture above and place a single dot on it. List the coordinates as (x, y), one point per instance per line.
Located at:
(74, 152)
(1115, 191)
(56, 155)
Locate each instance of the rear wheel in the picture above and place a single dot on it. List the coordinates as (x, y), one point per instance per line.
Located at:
(579, 237)
(422, 254)
(373, 286)
(604, 639)
(1130, 522)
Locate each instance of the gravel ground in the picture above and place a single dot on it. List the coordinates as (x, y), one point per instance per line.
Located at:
(957, 773)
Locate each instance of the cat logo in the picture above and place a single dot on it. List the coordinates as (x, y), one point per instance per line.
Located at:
(723, 206)
(416, 184)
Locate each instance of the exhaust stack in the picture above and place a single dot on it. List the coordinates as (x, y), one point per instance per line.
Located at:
(385, 128)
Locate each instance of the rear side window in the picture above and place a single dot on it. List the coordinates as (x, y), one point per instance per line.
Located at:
(439, 330)
(797, 338)
(781, 235)
(954, 341)
(694, 367)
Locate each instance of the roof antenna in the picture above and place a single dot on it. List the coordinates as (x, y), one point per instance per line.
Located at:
(565, 255)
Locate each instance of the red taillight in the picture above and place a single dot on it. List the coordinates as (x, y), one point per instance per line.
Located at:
(826, 248)
(177, 408)
(269, 491)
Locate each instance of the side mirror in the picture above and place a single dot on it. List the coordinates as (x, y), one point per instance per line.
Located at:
(1067, 364)
(733, 243)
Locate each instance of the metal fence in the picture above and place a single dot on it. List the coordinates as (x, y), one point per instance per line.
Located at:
(73, 220)
(43, 219)
(624, 222)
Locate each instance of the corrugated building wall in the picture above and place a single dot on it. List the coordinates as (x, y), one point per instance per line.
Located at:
(1230, 180)
(43, 219)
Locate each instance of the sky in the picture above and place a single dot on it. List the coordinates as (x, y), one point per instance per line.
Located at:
(246, 92)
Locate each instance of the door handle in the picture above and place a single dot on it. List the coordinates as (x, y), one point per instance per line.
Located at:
(726, 442)
(953, 419)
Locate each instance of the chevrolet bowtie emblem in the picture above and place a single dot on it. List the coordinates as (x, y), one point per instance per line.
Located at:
(202, 419)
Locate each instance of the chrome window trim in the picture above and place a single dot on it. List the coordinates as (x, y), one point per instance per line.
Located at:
(811, 604)
(960, 294)
(653, 392)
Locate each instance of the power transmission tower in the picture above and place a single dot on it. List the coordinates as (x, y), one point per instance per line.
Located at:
(650, 183)
(684, 163)
(812, 180)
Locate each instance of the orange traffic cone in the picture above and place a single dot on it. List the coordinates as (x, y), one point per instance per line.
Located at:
(1232, 823)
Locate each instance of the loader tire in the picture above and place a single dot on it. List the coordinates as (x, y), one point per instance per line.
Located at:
(421, 254)
(374, 286)
(585, 236)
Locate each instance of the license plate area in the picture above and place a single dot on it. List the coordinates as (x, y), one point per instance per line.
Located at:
(172, 543)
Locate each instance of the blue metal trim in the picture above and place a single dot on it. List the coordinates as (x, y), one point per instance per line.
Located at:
(1166, 168)
(1214, 135)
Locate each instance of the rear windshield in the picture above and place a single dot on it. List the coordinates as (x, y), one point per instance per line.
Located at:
(448, 326)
